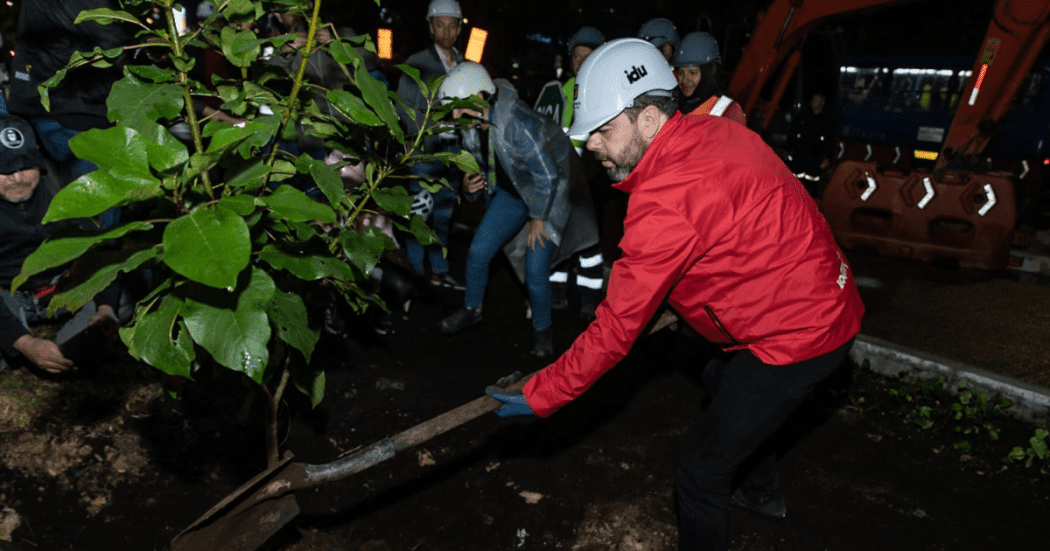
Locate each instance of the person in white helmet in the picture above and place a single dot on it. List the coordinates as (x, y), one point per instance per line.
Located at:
(661, 32)
(719, 229)
(698, 66)
(444, 20)
(527, 162)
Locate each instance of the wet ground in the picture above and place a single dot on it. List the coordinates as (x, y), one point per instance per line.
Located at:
(100, 466)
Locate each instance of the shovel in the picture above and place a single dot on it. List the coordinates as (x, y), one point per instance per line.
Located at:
(246, 518)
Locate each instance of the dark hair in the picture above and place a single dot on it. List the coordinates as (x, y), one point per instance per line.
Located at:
(711, 75)
(666, 104)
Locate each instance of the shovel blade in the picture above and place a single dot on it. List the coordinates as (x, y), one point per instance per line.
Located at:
(249, 516)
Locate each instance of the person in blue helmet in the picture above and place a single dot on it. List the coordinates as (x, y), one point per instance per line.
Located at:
(661, 32)
(698, 67)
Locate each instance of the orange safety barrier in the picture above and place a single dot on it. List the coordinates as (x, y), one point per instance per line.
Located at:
(969, 219)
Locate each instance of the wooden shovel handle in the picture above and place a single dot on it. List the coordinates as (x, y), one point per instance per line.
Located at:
(388, 447)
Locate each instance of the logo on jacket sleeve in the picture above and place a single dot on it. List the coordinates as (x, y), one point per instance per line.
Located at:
(635, 74)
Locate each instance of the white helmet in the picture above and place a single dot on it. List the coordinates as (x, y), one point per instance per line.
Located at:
(422, 204)
(465, 80)
(610, 79)
(447, 8)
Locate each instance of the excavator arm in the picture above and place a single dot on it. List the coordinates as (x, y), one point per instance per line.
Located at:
(1015, 39)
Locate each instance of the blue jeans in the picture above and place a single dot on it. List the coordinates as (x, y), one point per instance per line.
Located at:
(55, 139)
(750, 400)
(504, 217)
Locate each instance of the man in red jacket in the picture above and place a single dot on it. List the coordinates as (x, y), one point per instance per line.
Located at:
(723, 232)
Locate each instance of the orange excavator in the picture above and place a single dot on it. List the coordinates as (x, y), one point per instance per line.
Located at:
(958, 209)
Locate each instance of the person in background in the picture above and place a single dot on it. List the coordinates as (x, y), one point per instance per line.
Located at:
(445, 21)
(26, 190)
(47, 37)
(698, 67)
(814, 136)
(527, 162)
(589, 278)
(719, 229)
(661, 32)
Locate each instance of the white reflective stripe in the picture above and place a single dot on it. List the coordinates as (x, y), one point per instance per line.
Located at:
(842, 149)
(560, 277)
(871, 188)
(990, 193)
(589, 282)
(721, 105)
(591, 261)
(973, 95)
(1025, 173)
(868, 156)
(929, 193)
(898, 157)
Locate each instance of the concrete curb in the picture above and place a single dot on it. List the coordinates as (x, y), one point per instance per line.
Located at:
(1031, 403)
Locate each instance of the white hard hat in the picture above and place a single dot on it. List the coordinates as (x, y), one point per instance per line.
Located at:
(447, 8)
(612, 77)
(465, 80)
(698, 48)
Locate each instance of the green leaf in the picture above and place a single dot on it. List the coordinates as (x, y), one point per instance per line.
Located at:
(163, 150)
(307, 266)
(255, 134)
(252, 177)
(289, 316)
(464, 161)
(93, 274)
(395, 199)
(240, 46)
(152, 73)
(163, 341)
(364, 247)
(242, 205)
(233, 327)
(310, 382)
(328, 181)
(124, 175)
(422, 232)
(296, 206)
(210, 246)
(131, 101)
(67, 245)
(377, 97)
(105, 16)
(353, 107)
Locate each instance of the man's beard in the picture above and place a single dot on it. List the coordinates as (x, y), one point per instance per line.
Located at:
(624, 164)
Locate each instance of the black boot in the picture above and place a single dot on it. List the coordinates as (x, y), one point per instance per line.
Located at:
(543, 344)
(459, 320)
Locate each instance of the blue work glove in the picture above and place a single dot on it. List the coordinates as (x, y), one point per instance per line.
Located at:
(514, 404)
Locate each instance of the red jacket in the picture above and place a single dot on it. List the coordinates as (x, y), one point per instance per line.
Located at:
(721, 229)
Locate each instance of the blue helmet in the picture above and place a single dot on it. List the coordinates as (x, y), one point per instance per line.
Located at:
(697, 48)
(659, 31)
(586, 36)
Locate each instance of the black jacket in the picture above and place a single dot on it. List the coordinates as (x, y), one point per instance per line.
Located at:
(21, 233)
(47, 37)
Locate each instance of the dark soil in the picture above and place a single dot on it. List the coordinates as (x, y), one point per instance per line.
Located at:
(98, 463)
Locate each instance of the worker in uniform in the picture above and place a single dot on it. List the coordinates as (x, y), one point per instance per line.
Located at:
(588, 281)
(698, 66)
(721, 230)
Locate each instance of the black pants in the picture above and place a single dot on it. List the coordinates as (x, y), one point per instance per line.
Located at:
(750, 400)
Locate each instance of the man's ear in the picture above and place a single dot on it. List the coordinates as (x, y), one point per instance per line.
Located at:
(650, 120)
